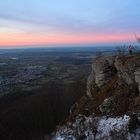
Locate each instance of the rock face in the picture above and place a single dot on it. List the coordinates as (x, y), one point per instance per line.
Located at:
(137, 78)
(125, 71)
(91, 85)
(104, 68)
(113, 86)
(102, 71)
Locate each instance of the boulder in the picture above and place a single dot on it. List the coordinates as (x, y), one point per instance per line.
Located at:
(108, 105)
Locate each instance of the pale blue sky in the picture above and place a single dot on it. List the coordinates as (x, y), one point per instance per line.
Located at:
(69, 16)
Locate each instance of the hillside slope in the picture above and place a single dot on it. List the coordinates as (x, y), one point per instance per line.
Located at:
(111, 107)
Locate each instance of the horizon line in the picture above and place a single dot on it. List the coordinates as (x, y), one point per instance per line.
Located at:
(63, 46)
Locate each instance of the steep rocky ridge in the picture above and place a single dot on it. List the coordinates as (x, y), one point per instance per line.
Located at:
(124, 71)
(102, 71)
(104, 68)
(113, 89)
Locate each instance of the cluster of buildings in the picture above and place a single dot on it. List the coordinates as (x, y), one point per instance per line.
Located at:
(22, 76)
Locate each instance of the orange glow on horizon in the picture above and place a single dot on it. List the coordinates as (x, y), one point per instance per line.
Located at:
(40, 39)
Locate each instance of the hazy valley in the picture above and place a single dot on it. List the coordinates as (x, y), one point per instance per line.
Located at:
(38, 88)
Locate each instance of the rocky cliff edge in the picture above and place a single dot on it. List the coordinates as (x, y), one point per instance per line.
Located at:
(110, 110)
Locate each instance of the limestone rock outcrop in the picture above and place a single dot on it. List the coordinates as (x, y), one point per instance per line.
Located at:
(113, 87)
(137, 78)
(102, 71)
(91, 85)
(125, 70)
(105, 67)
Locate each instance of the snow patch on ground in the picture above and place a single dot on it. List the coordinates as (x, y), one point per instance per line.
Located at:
(98, 128)
(106, 126)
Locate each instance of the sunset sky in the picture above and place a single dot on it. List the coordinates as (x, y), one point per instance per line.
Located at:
(66, 22)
